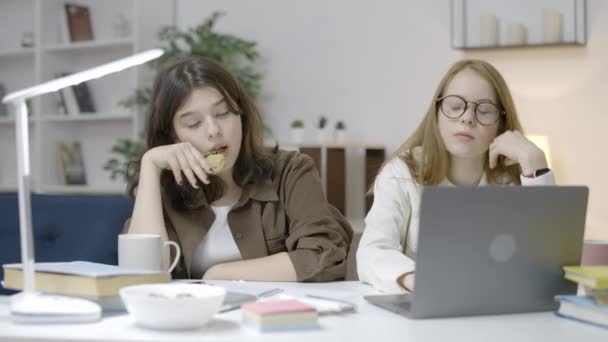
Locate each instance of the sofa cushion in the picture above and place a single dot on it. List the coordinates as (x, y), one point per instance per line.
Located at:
(66, 228)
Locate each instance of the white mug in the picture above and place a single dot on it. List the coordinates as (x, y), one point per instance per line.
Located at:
(144, 251)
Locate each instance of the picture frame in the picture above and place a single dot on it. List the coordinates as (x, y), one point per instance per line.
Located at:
(71, 163)
(78, 22)
(478, 24)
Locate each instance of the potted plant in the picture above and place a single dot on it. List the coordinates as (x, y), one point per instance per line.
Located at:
(234, 53)
(340, 132)
(323, 133)
(127, 151)
(297, 131)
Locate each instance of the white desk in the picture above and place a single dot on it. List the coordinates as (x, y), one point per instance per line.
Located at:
(368, 324)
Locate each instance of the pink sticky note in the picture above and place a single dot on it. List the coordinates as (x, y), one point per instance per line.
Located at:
(273, 307)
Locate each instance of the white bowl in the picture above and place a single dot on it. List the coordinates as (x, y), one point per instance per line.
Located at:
(172, 306)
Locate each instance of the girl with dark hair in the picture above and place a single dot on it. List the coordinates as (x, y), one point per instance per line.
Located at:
(238, 210)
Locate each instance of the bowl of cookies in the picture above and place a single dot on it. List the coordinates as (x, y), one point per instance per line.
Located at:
(172, 306)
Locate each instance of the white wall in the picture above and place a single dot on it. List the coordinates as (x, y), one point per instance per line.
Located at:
(376, 65)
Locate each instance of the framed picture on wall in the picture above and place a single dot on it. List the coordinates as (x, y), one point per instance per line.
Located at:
(71, 163)
(515, 23)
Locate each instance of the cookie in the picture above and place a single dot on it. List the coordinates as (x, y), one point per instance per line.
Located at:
(215, 161)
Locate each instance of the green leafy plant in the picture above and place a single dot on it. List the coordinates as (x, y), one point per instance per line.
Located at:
(237, 55)
(297, 124)
(234, 53)
(127, 150)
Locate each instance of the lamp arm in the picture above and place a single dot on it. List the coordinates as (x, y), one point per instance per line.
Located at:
(25, 203)
(31, 306)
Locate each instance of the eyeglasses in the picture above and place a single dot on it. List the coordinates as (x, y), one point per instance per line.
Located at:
(454, 106)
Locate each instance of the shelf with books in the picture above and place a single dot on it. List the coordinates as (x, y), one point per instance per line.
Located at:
(89, 113)
(74, 153)
(91, 45)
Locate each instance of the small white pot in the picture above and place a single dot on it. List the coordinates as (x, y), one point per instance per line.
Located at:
(297, 135)
(340, 136)
(323, 136)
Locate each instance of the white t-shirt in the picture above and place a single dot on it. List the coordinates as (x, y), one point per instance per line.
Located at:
(218, 245)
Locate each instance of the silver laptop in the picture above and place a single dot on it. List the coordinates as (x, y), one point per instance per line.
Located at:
(493, 250)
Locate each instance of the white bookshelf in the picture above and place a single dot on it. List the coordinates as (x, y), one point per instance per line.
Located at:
(91, 45)
(89, 117)
(17, 52)
(6, 121)
(52, 54)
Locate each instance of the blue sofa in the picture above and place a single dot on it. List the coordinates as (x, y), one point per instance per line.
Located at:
(66, 228)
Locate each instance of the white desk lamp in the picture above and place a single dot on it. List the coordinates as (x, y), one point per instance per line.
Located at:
(31, 306)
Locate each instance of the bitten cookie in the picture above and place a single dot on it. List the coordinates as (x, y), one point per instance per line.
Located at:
(216, 161)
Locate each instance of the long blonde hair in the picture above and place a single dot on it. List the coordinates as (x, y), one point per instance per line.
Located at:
(432, 166)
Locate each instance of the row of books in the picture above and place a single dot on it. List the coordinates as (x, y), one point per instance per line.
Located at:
(592, 307)
(75, 100)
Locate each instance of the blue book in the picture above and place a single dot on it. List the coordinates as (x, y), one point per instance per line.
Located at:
(583, 309)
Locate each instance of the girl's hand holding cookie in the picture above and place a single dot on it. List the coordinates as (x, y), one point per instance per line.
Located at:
(181, 158)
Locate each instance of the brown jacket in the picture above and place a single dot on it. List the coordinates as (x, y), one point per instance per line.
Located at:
(286, 213)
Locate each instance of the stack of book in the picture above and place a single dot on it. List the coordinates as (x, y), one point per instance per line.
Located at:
(98, 282)
(279, 315)
(593, 306)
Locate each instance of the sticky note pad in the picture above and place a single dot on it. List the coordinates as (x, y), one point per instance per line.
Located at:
(279, 315)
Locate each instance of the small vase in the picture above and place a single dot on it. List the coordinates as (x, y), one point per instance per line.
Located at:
(297, 135)
(121, 26)
(323, 136)
(27, 40)
(340, 136)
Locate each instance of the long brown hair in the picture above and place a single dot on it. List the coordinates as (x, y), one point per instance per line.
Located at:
(172, 87)
(431, 167)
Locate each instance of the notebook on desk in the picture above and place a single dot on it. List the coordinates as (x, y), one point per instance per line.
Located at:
(493, 250)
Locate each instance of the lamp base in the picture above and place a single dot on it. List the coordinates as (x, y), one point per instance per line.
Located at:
(36, 307)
